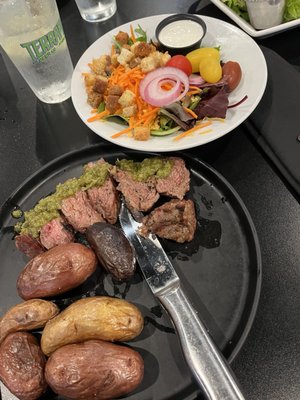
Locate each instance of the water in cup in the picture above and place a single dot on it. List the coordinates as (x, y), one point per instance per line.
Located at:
(96, 10)
(32, 35)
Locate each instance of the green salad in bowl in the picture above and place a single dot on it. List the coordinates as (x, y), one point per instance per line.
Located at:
(291, 11)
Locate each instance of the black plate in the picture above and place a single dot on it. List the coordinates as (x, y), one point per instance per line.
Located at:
(220, 270)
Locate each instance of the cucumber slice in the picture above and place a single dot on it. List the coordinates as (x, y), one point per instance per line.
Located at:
(165, 133)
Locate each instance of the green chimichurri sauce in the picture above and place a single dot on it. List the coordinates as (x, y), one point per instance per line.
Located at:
(148, 168)
(48, 207)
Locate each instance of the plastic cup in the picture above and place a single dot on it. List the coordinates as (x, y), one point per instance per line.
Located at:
(96, 10)
(265, 14)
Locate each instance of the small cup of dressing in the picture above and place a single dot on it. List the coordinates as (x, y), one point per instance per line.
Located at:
(180, 33)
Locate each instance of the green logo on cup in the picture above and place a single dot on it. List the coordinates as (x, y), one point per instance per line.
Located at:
(40, 49)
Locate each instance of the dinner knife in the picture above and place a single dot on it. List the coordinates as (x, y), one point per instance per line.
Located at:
(5, 394)
(206, 362)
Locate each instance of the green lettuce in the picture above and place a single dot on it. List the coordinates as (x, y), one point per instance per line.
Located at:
(292, 10)
(239, 7)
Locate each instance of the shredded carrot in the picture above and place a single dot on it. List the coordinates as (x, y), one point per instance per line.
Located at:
(195, 87)
(94, 110)
(189, 93)
(167, 86)
(121, 132)
(113, 50)
(132, 35)
(191, 112)
(98, 116)
(188, 132)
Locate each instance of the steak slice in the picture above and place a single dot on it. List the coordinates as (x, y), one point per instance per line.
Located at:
(79, 212)
(28, 245)
(105, 200)
(56, 232)
(139, 196)
(178, 181)
(174, 220)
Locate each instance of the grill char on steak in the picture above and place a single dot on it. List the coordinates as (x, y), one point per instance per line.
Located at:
(174, 220)
(56, 232)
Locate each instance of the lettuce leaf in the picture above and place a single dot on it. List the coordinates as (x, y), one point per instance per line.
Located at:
(292, 10)
(239, 7)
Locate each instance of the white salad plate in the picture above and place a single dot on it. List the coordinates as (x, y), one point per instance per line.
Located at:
(247, 27)
(235, 45)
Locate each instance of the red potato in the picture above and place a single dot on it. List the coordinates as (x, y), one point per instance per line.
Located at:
(232, 73)
(94, 370)
(22, 366)
(56, 271)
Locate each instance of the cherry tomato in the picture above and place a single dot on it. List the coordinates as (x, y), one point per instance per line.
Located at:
(180, 62)
(210, 70)
(232, 73)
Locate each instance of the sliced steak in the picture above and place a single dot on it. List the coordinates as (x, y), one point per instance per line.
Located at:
(28, 245)
(139, 196)
(56, 232)
(178, 181)
(105, 200)
(79, 211)
(175, 220)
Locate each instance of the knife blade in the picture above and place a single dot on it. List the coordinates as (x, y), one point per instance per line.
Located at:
(205, 360)
(5, 394)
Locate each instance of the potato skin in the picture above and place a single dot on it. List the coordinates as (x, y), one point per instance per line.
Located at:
(22, 366)
(56, 271)
(112, 249)
(32, 314)
(94, 370)
(100, 317)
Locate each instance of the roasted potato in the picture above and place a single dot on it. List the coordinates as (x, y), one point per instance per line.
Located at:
(56, 271)
(104, 318)
(94, 370)
(32, 314)
(22, 366)
(112, 249)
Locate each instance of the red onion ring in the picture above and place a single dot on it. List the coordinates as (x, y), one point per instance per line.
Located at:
(151, 86)
(196, 80)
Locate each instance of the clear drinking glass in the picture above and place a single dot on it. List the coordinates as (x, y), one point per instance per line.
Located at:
(96, 10)
(32, 35)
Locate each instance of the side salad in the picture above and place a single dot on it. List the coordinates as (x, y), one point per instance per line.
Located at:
(154, 94)
(291, 10)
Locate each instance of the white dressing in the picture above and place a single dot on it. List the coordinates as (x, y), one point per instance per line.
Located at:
(181, 33)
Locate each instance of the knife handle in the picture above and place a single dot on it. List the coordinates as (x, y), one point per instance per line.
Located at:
(206, 362)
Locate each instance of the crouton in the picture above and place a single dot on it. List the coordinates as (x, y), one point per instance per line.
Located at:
(149, 64)
(125, 56)
(127, 99)
(129, 111)
(100, 85)
(111, 103)
(94, 99)
(122, 38)
(134, 62)
(141, 133)
(141, 49)
(115, 90)
(89, 79)
(99, 65)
